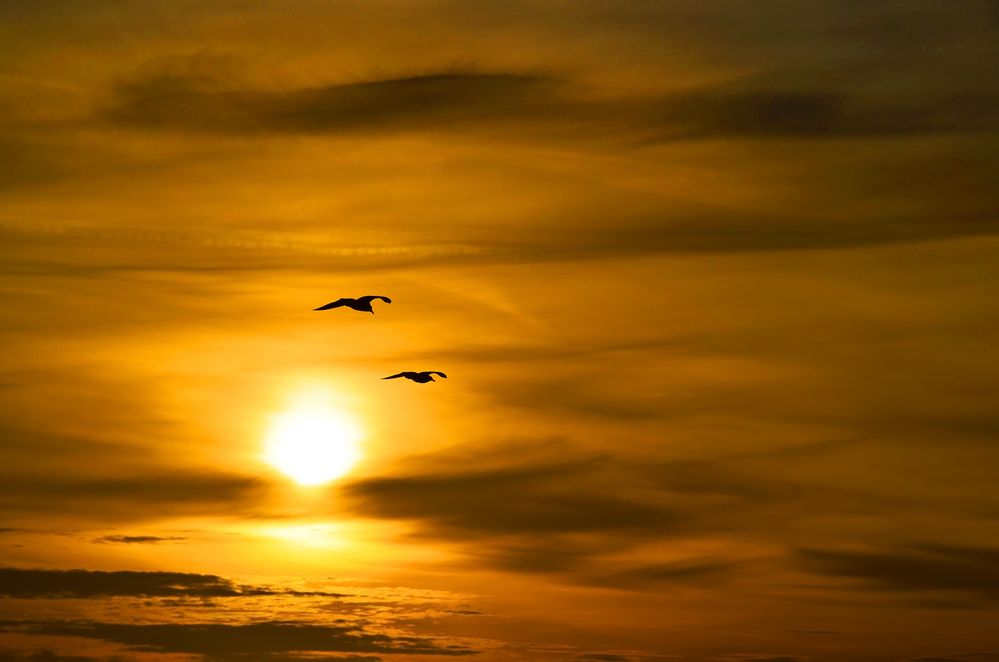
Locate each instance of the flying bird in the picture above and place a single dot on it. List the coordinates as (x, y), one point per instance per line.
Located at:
(419, 377)
(361, 304)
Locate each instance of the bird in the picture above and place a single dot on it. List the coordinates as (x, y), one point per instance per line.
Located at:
(360, 304)
(419, 377)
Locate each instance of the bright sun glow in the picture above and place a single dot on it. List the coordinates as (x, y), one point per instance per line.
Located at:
(313, 443)
(312, 535)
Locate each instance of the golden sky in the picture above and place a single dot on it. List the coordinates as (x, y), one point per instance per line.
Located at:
(715, 285)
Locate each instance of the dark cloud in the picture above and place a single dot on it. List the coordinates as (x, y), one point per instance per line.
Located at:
(194, 95)
(50, 584)
(217, 640)
(579, 396)
(534, 553)
(537, 499)
(776, 113)
(443, 99)
(732, 232)
(536, 525)
(604, 657)
(21, 443)
(650, 576)
(570, 517)
(956, 657)
(294, 657)
(133, 540)
(967, 570)
(198, 97)
(131, 497)
(818, 632)
(25, 163)
(562, 517)
(12, 655)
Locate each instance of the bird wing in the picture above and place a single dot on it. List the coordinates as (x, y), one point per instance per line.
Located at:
(334, 304)
(401, 374)
(434, 372)
(371, 297)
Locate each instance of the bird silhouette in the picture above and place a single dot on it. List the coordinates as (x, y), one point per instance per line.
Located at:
(419, 377)
(361, 304)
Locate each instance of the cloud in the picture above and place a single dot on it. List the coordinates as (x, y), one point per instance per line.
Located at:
(539, 499)
(796, 113)
(972, 571)
(649, 576)
(131, 497)
(199, 94)
(732, 231)
(65, 584)
(568, 517)
(44, 655)
(132, 540)
(587, 520)
(226, 641)
(26, 163)
(23, 443)
(554, 517)
(956, 657)
(816, 632)
(295, 657)
(439, 99)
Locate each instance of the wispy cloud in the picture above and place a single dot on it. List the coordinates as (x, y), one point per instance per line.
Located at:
(452, 101)
(920, 568)
(137, 540)
(105, 498)
(441, 99)
(227, 641)
(68, 584)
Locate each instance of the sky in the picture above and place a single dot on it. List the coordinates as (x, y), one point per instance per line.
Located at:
(714, 285)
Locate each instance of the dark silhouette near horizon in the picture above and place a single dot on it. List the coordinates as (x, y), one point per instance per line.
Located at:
(419, 377)
(361, 304)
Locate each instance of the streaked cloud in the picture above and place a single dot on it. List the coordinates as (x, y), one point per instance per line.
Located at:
(452, 101)
(110, 498)
(67, 584)
(137, 540)
(440, 99)
(925, 568)
(227, 641)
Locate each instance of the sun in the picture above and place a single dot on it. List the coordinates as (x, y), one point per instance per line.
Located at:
(313, 443)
